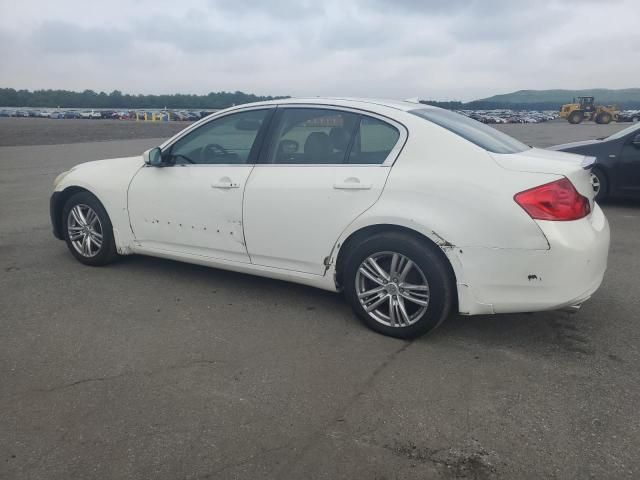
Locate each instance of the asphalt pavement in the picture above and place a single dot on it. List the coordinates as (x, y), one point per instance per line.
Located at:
(153, 369)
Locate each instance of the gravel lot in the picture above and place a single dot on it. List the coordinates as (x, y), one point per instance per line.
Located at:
(155, 369)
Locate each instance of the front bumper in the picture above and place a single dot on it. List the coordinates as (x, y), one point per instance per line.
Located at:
(53, 212)
(515, 280)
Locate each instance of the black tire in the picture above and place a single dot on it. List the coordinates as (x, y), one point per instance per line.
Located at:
(603, 191)
(576, 117)
(431, 263)
(106, 253)
(603, 118)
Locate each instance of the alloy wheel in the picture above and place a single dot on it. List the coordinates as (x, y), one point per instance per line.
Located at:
(595, 183)
(392, 289)
(84, 230)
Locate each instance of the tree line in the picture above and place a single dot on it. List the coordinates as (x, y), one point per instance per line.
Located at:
(10, 97)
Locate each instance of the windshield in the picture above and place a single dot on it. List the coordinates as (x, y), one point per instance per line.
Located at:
(478, 133)
(623, 132)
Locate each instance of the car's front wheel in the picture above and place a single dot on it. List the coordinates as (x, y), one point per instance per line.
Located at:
(87, 230)
(575, 117)
(399, 285)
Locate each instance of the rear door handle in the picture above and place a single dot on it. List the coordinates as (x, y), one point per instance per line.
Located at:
(352, 183)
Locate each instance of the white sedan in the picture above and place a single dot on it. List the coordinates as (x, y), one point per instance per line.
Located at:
(414, 212)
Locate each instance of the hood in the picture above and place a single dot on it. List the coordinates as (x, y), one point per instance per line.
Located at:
(112, 162)
(565, 146)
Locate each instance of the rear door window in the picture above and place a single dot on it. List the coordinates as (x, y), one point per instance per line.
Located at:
(308, 136)
(311, 136)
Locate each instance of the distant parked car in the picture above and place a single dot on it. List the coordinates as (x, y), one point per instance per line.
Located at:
(616, 172)
(5, 113)
(180, 116)
(56, 114)
(92, 115)
(104, 114)
(22, 113)
(629, 116)
(71, 114)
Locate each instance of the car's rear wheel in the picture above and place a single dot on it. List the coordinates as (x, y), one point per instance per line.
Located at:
(399, 285)
(87, 230)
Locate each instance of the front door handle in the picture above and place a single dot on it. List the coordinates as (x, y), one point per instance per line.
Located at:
(352, 183)
(225, 183)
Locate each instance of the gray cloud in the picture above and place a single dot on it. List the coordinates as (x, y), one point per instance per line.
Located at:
(460, 49)
(283, 9)
(192, 35)
(65, 37)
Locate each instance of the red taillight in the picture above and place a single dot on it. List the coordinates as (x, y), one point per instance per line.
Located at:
(557, 200)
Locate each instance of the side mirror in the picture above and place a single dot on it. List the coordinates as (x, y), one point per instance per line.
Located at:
(636, 141)
(153, 157)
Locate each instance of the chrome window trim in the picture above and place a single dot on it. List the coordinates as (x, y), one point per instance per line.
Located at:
(388, 162)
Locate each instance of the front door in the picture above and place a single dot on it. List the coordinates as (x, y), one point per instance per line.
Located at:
(323, 168)
(194, 204)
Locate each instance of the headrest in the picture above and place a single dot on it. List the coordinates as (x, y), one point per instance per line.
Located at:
(317, 147)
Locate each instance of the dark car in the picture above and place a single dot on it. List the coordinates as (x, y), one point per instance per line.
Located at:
(616, 172)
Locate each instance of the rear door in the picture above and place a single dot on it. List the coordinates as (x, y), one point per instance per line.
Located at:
(323, 167)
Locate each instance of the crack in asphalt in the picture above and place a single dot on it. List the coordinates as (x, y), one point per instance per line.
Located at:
(317, 436)
(120, 375)
(244, 461)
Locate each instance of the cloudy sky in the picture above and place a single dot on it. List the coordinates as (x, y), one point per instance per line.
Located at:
(451, 49)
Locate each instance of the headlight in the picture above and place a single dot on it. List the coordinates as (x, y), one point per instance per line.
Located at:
(59, 178)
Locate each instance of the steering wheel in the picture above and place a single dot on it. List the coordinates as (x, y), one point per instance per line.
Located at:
(212, 150)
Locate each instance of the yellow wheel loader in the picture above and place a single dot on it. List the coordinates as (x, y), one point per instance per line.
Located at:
(584, 108)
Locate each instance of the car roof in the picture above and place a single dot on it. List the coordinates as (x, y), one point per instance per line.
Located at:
(345, 102)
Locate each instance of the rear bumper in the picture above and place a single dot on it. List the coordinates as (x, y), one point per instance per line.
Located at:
(55, 221)
(514, 280)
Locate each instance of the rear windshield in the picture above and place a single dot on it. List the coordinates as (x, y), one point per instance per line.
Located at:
(482, 135)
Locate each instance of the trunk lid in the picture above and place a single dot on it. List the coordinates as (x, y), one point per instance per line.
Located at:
(577, 168)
